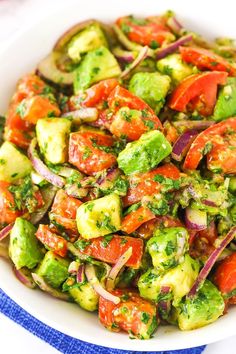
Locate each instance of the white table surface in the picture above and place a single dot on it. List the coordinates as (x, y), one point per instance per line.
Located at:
(13, 338)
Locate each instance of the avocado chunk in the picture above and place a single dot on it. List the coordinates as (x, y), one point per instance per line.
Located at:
(144, 154)
(232, 185)
(53, 137)
(204, 308)
(180, 279)
(98, 64)
(168, 246)
(13, 163)
(24, 248)
(226, 102)
(173, 66)
(85, 296)
(151, 88)
(99, 217)
(53, 269)
(90, 38)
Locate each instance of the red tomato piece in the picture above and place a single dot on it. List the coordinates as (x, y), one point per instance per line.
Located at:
(53, 241)
(8, 211)
(40, 202)
(110, 250)
(18, 137)
(86, 151)
(31, 85)
(133, 314)
(206, 60)
(146, 32)
(221, 137)
(64, 210)
(198, 89)
(143, 184)
(13, 118)
(136, 218)
(146, 230)
(225, 276)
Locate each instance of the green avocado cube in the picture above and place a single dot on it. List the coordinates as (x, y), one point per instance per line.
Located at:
(90, 38)
(13, 163)
(53, 269)
(99, 217)
(173, 66)
(226, 103)
(53, 137)
(98, 64)
(85, 296)
(144, 154)
(202, 309)
(24, 248)
(151, 88)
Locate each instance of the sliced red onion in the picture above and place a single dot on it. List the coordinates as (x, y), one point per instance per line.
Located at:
(80, 277)
(88, 182)
(193, 124)
(5, 231)
(164, 306)
(211, 261)
(48, 289)
(74, 191)
(73, 267)
(93, 280)
(110, 176)
(193, 192)
(212, 198)
(174, 24)
(48, 195)
(41, 168)
(172, 47)
(182, 144)
(141, 56)
(195, 219)
(83, 115)
(24, 277)
(124, 56)
(110, 284)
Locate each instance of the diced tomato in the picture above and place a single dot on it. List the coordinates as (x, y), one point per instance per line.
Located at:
(146, 230)
(51, 240)
(136, 218)
(86, 151)
(170, 132)
(143, 184)
(94, 95)
(31, 85)
(64, 210)
(133, 314)
(131, 128)
(13, 118)
(221, 138)
(38, 196)
(145, 32)
(198, 92)
(109, 250)
(38, 107)
(18, 137)
(8, 210)
(225, 276)
(206, 60)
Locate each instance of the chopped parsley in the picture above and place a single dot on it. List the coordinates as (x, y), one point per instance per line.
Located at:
(106, 224)
(87, 153)
(106, 240)
(24, 195)
(168, 184)
(82, 244)
(170, 248)
(145, 317)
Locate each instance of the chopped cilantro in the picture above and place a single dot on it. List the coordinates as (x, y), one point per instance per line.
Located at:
(87, 153)
(106, 240)
(81, 244)
(170, 248)
(106, 224)
(145, 317)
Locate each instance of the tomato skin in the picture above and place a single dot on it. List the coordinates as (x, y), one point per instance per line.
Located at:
(146, 230)
(55, 242)
(213, 135)
(143, 184)
(146, 33)
(115, 318)
(7, 205)
(31, 85)
(88, 158)
(199, 88)
(206, 60)
(13, 119)
(37, 107)
(135, 218)
(18, 137)
(64, 210)
(225, 276)
(110, 251)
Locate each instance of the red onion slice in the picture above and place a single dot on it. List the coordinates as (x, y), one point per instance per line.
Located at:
(83, 115)
(164, 306)
(211, 261)
(182, 144)
(41, 168)
(123, 56)
(172, 47)
(93, 280)
(73, 267)
(174, 24)
(141, 56)
(5, 231)
(48, 289)
(80, 277)
(110, 284)
(195, 219)
(24, 277)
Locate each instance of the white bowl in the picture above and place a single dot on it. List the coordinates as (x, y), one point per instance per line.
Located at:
(20, 56)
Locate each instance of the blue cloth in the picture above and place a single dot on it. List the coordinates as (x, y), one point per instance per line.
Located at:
(65, 344)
